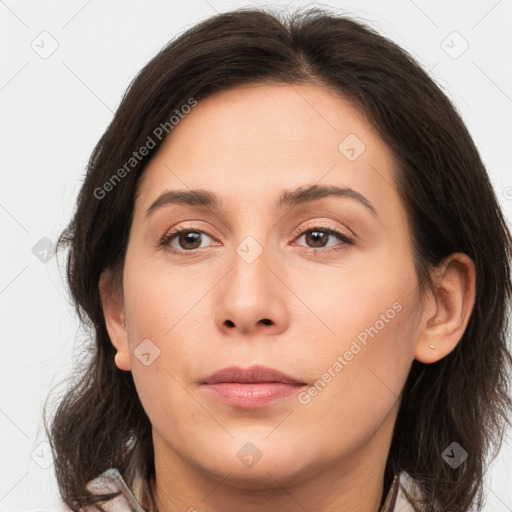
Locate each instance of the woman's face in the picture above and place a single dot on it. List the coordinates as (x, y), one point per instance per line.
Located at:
(263, 279)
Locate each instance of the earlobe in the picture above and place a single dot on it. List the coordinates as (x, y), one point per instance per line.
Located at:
(122, 360)
(447, 311)
(113, 312)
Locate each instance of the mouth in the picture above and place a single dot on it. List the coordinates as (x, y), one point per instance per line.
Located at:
(250, 388)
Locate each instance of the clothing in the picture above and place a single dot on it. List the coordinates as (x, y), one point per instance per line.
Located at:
(112, 481)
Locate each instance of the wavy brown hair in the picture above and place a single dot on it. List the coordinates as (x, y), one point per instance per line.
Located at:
(100, 423)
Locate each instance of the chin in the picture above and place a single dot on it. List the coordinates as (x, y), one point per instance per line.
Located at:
(272, 467)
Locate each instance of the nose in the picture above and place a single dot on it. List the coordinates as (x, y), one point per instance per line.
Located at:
(252, 298)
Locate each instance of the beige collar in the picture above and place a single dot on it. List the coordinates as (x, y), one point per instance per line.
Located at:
(390, 502)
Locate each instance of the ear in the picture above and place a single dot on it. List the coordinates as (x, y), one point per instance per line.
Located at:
(447, 310)
(113, 311)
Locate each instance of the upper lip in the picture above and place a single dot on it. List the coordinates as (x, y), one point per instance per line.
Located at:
(253, 374)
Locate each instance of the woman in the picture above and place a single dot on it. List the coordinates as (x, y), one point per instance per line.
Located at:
(296, 273)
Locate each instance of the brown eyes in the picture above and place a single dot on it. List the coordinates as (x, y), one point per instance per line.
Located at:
(186, 241)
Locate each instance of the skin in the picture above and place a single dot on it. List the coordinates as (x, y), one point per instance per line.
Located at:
(247, 145)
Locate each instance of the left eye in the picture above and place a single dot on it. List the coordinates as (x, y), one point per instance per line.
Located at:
(319, 237)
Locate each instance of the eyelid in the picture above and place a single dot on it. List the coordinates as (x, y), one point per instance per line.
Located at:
(185, 226)
(316, 225)
(323, 226)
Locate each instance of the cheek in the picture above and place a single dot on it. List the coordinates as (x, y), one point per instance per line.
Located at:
(373, 301)
(160, 300)
(358, 383)
(165, 312)
(363, 359)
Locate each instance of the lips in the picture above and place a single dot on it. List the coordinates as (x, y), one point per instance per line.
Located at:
(254, 374)
(250, 388)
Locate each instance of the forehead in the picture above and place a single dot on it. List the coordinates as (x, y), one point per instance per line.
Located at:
(258, 140)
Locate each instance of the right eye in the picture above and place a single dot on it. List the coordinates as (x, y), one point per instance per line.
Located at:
(184, 240)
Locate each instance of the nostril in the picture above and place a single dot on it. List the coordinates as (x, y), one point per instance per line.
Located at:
(266, 321)
(229, 323)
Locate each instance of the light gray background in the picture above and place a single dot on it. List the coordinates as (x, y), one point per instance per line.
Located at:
(53, 109)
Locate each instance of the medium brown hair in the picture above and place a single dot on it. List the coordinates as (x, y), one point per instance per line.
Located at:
(100, 422)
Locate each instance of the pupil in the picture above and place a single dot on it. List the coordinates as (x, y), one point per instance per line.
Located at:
(317, 237)
(188, 238)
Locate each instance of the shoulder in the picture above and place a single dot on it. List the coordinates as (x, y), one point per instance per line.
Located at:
(110, 481)
(410, 486)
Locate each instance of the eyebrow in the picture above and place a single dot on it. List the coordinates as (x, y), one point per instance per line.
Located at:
(301, 195)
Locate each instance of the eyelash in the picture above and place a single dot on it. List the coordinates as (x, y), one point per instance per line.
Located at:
(168, 237)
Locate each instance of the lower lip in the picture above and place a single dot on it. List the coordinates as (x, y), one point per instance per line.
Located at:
(251, 395)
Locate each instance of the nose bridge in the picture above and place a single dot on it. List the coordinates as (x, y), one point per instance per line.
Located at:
(253, 250)
(251, 296)
(251, 276)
